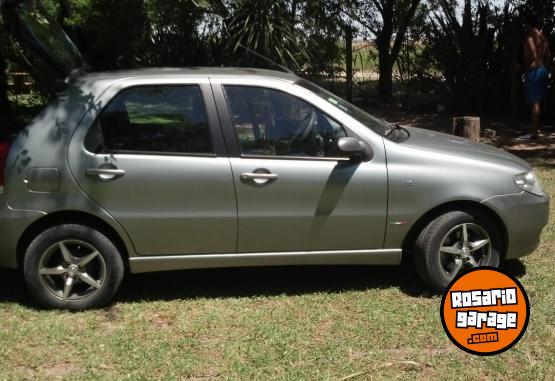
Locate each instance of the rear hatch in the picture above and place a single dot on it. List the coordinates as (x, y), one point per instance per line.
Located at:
(51, 57)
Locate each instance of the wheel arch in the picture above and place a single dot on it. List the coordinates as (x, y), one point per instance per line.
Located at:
(70, 217)
(463, 206)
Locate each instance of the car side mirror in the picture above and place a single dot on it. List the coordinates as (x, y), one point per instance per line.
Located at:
(355, 149)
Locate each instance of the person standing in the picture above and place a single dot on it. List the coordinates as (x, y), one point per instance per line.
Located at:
(537, 56)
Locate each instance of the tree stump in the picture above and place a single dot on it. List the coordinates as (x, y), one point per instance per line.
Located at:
(467, 127)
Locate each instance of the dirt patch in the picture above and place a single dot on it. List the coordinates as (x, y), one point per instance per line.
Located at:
(160, 320)
(111, 314)
(109, 319)
(59, 371)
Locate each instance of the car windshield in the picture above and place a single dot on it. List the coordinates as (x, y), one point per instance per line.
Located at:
(376, 125)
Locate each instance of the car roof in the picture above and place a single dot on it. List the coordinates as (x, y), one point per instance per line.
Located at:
(189, 72)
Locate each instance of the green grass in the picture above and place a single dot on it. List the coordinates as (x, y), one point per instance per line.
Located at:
(286, 324)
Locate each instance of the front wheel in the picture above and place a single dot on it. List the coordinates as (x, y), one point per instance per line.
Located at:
(455, 242)
(73, 267)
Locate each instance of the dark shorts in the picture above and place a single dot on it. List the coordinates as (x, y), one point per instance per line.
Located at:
(536, 84)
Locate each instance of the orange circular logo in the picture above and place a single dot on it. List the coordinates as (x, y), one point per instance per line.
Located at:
(485, 311)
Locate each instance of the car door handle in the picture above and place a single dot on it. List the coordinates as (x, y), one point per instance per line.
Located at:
(102, 171)
(259, 176)
(105, 174)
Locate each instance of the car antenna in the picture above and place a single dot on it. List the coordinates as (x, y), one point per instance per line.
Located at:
(259, 55)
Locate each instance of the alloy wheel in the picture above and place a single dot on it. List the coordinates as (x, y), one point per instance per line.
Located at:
(464, 247)
(72, 270)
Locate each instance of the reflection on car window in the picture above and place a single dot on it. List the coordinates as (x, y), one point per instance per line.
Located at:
(273, 123)
(159, 119)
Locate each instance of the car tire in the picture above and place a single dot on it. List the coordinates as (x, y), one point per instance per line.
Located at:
(441, 251)
(73, 267)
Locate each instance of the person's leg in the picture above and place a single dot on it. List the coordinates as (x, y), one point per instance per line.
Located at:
(534, 85)
(536, 119)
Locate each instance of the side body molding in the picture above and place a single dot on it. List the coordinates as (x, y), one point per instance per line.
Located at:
(348, 257)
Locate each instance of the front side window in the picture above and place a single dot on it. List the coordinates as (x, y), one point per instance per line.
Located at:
(153, 119)
(376, 125)
(273, 123)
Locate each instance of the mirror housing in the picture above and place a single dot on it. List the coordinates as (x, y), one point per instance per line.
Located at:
(355, 149)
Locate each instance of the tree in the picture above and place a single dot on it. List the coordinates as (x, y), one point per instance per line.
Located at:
(183, 32)
(65, 11)
(465, 47)
(349, 61)
(388, 21)
(324, 23)
(268, 28)
(111, 34)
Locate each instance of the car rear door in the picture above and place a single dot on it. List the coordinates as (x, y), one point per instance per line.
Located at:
(297, 197)
(154, 159)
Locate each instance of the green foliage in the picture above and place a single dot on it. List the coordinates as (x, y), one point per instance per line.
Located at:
(111, 38)
(268, 28)
(470, 46)
(387, 22)
(324, 28)
(543, 10)
(477, 47)
(175, 32)
(463, 47)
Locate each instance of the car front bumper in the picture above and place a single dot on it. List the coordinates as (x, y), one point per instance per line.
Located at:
(524, 215)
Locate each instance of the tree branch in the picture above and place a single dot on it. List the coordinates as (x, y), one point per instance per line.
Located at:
(378, 5)
(401, 33)
(357, 19)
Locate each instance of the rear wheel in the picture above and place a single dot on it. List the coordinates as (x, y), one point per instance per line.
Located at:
(453, 243)
(73, 267)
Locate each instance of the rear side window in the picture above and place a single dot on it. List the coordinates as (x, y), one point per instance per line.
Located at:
(153, 119)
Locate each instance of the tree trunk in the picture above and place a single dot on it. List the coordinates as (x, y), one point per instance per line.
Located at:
(467, 127)
(383, 42)
(65, 12)
(385, 84)
(349, 61)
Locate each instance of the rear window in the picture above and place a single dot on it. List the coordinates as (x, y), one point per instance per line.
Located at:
(50, 54)
(49, 35)
(153, 119)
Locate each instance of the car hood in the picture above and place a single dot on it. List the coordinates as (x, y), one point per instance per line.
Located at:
(453, 145)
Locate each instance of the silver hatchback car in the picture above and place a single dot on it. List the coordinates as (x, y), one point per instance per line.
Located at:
(169, 169)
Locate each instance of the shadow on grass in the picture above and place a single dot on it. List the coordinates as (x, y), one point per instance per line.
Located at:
(251, 282)
(269, 281)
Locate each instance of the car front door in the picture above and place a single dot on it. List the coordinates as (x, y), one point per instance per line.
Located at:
(154, 159)
(295, 190)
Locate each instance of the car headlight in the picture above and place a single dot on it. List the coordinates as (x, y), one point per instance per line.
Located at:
(529, 182)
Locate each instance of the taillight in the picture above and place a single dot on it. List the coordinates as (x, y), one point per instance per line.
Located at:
(4, 149)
